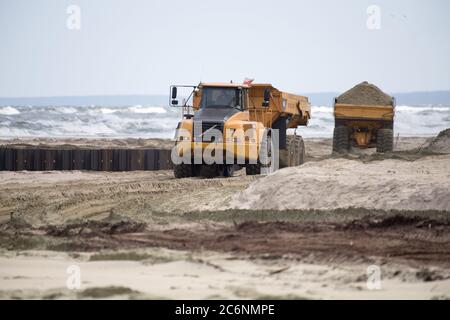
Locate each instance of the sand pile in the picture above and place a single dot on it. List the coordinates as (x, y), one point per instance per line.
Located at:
(340, 183)
(440, 144)
(365, 94)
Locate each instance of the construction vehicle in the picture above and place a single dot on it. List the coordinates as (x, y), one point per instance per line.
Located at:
(245, 123)
(364, 124)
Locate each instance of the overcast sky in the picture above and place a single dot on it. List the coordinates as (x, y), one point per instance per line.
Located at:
(141, 47)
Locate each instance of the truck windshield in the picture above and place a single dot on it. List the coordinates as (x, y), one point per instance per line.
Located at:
(213, 97)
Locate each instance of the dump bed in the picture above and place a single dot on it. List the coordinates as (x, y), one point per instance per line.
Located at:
(364, 112)
(295, 107)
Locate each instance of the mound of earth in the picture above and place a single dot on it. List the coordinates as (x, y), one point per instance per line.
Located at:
(390, 184)
(440, 144)
(365, 94)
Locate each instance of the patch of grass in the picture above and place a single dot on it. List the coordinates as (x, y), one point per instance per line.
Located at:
(119, 256)
(280, 297)
(152, 258)
(105, 292)
(405, 155)
(22, 242)
(331, 216)
(245, 293)
(70, 246)
(53, 296)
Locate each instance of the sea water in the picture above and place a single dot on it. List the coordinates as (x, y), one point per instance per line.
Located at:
(148, 121)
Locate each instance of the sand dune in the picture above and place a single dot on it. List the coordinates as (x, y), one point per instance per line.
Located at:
(341, 183)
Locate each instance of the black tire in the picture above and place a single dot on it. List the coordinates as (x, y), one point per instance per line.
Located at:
(183, 171)
(294, 154)
(265, 153)
(228, 170)
(208, 171)
(252, 169)
(341, 139)
(301, 151)
(385, 140)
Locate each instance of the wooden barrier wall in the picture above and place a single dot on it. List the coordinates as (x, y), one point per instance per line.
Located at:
(39, 159)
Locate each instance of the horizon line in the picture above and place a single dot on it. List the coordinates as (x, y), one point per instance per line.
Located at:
(161, 94)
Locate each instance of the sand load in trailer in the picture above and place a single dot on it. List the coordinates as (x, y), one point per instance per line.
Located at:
(364, 118)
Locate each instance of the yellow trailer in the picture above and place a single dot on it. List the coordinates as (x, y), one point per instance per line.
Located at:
(364, 125)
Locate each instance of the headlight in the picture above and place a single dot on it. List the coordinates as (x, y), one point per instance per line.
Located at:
(183, 138)
(230, 135)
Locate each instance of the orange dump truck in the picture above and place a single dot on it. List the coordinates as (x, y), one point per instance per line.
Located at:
(219, 112)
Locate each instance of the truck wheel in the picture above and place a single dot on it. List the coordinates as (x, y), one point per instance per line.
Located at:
(341, 139)
(267, 155)
(183, 171)
(252, 169)
(301, 151)
(265, 159)
(385, 140)
(228, 170)
(208, 171)
(294, 154)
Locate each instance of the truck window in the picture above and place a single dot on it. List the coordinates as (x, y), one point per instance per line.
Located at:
(216, 97)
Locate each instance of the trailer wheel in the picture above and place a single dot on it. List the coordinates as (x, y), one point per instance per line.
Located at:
(252, 169)
(183, 171)
(209, 171)
(265, 158)
(228, 170)
(301, 151)
(385, 140)
(341, 139)
(294, 154)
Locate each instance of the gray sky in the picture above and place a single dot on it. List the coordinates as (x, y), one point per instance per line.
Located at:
(141, 47)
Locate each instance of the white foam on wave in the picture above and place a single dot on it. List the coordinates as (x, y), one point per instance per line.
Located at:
(67, 110)
(422, 109)
(160, 122)
(107, 110)
(323, 109)
(141, 109)
(9, 111)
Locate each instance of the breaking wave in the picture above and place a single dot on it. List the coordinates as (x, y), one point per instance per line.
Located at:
(160, 122)
(409, 121)
(8, 111)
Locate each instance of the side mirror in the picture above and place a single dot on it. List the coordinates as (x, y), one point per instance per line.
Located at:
(266, 101)
(238, 97)
(174, 92)
(174, 96)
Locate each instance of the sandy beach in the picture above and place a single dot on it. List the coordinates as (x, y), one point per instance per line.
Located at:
(300, 152)
(323, 225)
